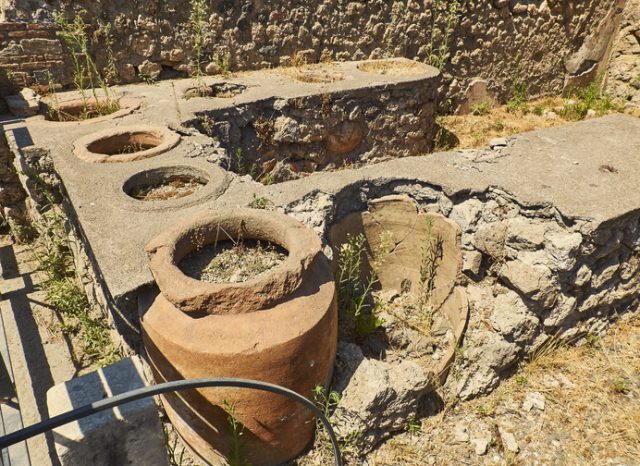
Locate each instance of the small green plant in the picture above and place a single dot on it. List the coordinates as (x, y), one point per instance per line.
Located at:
(53, 254)
(111, 70)
(222, 62)
(85, 72)
(518, 100)
(486, 410)
(260, 202)
(591, 97)
(54, 108)
(439, 46)
(592, 341)
(521, 380)
(148, 79)
(267, 179)
(327, 401)
(432, 252)
(481, 108)
(176, 458)
(237, 454)
(239, 162)
(414, 425)
(198, 26)
(444, 139)
(354, 296)
(538, 110)
(620, 385)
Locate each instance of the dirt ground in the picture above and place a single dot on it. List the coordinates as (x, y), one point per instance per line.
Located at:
(475, 131)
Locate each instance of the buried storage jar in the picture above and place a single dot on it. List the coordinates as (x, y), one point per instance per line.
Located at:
(243, 293)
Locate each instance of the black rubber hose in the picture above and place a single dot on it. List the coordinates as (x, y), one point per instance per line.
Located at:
(178, 385)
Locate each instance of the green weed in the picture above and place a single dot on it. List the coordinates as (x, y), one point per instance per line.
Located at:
(481, 108)
(354, 296)
(588, 98)
(432, 252)
(53, 254)
(414, 425)
(198, 25)
(237, 454)
(518, 100)
(439, 40)
(260, 202)
(85, 72)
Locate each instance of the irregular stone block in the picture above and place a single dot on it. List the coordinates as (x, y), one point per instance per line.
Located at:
(23, 104)
(512, 319)
(563, 249)
(130, 434)
(532, 280)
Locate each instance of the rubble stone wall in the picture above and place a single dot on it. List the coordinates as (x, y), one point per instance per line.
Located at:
(545, 43)
(532, 277)
(624, 69)
(12, 195)
(283, 138)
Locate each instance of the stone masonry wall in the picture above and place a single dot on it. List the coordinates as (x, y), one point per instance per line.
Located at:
(27, 52)
(533, 277)
(12, 196)
(624, 70)
(276, 140)
(545, 43)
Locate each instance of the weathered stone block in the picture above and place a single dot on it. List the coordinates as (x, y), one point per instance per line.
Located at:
(130, 434)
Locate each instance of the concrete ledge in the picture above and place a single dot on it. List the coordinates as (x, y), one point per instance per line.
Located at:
(129, 434)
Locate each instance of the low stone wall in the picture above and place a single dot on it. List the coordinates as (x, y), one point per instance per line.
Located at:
(12, 196)
(278, 139)
(542, 43)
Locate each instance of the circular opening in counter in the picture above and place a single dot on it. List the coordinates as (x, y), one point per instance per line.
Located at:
(89, 110)
(166, 183)
(320, 73)
(126, 144)
(392, 67)
(219, 90)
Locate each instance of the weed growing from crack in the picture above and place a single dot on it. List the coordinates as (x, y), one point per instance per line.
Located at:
(519, 95)
(198, 25)
(85, 71)
(414, 425)
(518, 100)
(53, 254)
(439, 47)
(237, 446)
(326, 401)
(111, 70)
(481, 108)
(620, 385)
(147, 79)
(354, 296)
(260, 202)
(175, 458)
(432, 252)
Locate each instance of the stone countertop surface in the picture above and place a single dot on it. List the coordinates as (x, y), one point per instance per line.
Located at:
(586, 170)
